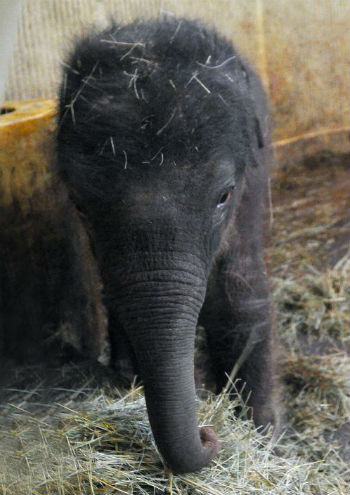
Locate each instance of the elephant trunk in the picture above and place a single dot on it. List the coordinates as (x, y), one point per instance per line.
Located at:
(159, 308)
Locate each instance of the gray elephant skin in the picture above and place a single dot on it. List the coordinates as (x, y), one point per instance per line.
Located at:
(162, 143)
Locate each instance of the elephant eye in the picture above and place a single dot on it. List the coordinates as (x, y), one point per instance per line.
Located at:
(225, 197)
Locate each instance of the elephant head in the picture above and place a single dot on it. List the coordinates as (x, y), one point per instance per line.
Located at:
(153, 145)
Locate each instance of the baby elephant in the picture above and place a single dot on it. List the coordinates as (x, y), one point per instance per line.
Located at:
(162, 141)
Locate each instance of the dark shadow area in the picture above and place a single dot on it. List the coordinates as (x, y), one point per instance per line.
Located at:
(4, 110)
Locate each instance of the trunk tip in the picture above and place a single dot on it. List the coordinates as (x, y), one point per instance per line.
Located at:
(209, 440)
(190, 463)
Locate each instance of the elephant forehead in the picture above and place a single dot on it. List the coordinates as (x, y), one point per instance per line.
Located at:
(161, 200)
(191, 186)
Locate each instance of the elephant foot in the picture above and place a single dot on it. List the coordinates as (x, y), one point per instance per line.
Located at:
(267, 416)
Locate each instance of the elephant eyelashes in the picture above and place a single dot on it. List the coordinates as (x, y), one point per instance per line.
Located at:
(225, 197)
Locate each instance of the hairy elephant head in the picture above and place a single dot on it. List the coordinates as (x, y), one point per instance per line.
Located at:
(154, 141)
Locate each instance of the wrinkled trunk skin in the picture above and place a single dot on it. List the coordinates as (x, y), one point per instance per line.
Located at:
(158, 306)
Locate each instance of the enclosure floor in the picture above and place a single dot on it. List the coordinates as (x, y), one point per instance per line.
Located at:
(310, 227)
(310, 219)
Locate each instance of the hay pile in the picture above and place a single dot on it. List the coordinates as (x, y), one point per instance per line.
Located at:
(95, 439)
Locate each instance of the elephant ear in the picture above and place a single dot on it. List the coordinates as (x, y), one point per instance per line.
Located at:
(256, 141)
(258, 133)
(258, 120)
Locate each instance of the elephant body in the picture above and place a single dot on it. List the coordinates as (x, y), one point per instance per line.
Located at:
(162, 143)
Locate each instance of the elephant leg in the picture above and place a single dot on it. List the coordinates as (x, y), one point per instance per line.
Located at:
(238, 328)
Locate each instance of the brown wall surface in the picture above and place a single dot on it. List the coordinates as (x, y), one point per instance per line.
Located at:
(300, 47)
